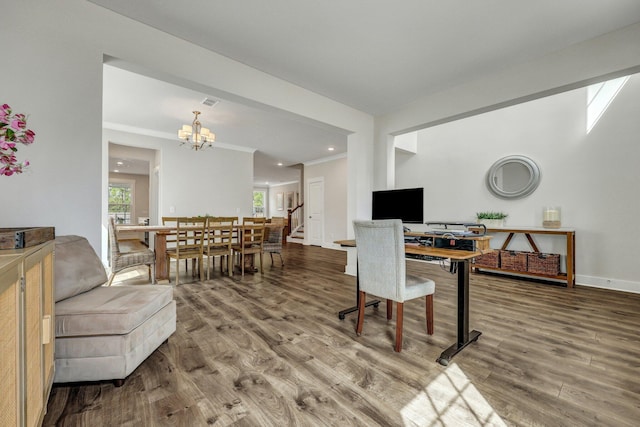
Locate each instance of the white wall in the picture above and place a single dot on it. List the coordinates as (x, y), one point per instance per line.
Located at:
(593, 178)
(334, 174)
(55, 76)
(293, 187)
(215, 181)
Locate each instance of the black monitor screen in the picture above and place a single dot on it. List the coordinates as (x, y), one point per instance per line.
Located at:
(406, 204)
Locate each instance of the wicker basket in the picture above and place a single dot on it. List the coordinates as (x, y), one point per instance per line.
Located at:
(544, 263)
(513, 260)
(490, 260)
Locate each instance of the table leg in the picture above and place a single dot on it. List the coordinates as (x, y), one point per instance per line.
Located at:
(464, 337)
(571, 260)
(160, 248)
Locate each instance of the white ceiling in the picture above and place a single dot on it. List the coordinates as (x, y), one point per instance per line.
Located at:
(374, 55)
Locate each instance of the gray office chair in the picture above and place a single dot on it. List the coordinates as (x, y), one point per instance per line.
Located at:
(381, 272)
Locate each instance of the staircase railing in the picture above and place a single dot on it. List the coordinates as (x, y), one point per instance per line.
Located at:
(295, 218)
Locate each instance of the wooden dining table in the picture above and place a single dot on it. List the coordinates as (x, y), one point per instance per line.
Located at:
(160, 246)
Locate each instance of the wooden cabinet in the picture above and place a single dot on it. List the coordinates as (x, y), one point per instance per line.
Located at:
(570, 236)
(26, 334)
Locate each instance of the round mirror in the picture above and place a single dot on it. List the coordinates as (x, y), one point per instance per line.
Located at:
(513, 176)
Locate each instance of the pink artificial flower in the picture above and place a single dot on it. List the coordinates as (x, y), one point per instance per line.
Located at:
(5, 112)
(18, 123)
(28, 136)
(6, 145)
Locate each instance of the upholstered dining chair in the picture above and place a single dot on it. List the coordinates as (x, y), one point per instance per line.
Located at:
(220, 235)
(250, 241)
(382, 272)
(124, 260)
(273, 240)
(189, 243)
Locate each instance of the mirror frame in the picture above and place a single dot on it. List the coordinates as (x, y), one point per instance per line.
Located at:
(534, 179)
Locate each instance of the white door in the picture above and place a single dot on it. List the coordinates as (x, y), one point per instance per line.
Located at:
(315, 212)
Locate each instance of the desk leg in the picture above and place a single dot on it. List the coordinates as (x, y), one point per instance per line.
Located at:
(464, 337)
(160, 248)
(346, 311)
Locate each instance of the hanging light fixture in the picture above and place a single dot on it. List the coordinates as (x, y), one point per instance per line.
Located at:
(196, 135)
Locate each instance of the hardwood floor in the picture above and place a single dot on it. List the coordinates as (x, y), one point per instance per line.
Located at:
(269, 350)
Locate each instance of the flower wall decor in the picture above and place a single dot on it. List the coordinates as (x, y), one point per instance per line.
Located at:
(13, 130)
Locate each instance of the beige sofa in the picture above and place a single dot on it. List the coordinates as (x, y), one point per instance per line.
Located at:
(103, 332)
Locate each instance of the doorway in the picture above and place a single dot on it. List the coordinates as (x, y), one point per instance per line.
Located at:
(315, 212)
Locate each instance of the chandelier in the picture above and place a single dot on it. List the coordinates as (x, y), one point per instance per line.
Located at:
(196, 135)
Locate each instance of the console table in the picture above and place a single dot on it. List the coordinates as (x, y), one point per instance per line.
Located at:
(570, 236)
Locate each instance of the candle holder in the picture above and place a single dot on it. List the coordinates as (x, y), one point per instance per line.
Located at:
(551, 217)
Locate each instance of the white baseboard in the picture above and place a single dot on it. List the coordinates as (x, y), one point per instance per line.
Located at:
(613, 284)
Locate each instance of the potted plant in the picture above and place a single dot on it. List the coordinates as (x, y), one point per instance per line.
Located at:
(491, 219)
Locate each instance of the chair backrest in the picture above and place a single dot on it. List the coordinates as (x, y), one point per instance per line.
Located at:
(190, 235)
(247, 220)
(273, 234)
(220, 232)
(114, 247)
(252, 236)
(171, 238)
(279, 220)
(381, 262)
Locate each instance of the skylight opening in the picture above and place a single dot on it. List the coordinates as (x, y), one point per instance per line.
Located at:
(599, 97)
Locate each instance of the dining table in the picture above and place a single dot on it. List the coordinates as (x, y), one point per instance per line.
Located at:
(160, 246)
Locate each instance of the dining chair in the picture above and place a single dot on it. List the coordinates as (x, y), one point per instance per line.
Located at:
(382, 272)
(189, 243)
(250, 241)
(220, 234)
(273, 240)
(124, 260)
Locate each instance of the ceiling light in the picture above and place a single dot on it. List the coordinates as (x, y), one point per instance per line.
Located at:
(196, 135)
(119, 163)
(279, 164)
(331, 148)
(116, 170)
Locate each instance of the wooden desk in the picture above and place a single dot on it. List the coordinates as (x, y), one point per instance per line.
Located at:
(461, 258)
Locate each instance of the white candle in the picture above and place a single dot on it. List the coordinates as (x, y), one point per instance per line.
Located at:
(551, 214)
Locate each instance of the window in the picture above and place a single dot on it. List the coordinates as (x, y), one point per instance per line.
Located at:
(121, 201)
(599, 97)
(259, 198)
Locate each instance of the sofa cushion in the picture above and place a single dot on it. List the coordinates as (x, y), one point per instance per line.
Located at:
(110, 310)
(77, 267)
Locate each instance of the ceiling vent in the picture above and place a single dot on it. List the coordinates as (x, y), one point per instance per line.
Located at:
(210, 102)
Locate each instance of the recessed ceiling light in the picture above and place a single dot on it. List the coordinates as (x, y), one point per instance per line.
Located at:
(266, 182)
(119, 163)
(116, 170)
(331, 148)
(279, 164)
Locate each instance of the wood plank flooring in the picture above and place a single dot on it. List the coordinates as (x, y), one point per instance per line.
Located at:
(269, 350)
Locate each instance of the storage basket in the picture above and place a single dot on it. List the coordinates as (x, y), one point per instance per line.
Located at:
(491, 260)
(544, 263)
(513, 260)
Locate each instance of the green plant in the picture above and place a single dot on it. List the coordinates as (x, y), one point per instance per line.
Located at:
(491, 215)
